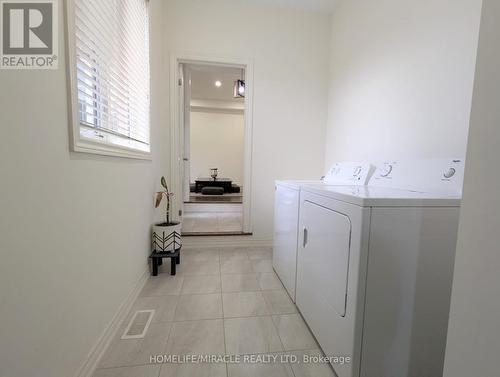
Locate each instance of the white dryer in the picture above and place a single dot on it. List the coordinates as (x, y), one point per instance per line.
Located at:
(286, 216)
(375, 266)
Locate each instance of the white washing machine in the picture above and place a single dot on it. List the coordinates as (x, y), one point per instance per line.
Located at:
(375, 266)
(286, 215)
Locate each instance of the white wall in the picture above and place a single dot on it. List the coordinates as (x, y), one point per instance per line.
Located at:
(217, 141)
(401, 76)
(75, 228)
(473, 340)
(290, 63)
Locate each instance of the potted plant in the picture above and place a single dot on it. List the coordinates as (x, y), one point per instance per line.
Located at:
(167, 234)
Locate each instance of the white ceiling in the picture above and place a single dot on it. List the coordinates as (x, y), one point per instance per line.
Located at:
(310, 5)
(203, 78)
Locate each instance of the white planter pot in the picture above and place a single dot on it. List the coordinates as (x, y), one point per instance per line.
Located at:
(166, 238)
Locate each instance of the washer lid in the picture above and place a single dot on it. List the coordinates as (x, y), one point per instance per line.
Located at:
(295, 185)
(341, 173)
(368, 196)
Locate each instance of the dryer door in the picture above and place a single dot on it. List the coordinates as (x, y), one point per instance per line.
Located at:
(324, 257)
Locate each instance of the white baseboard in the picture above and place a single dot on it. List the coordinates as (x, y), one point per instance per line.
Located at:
(225, 241)
(90, 364)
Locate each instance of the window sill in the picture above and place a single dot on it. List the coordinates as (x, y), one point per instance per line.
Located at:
(92, 147)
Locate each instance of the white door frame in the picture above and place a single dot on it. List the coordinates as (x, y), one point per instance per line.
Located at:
(176, 137)
(185, 119)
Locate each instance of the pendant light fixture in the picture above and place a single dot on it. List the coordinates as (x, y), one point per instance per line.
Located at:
(239, 86)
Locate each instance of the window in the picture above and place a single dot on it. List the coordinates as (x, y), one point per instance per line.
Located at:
(109, 74)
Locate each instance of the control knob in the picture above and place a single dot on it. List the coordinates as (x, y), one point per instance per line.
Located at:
(386, 171)
(450, 173)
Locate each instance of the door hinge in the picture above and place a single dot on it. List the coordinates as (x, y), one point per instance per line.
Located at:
(179, 82)
(180, 212)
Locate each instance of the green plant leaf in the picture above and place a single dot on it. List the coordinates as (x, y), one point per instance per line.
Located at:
(164, 183)
(159, 196)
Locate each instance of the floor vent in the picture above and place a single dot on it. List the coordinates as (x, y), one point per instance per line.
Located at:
(139, 324)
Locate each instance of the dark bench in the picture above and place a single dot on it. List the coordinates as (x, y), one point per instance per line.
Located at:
(212, 190)
(157, 260)
(225, 183)
(235, 189)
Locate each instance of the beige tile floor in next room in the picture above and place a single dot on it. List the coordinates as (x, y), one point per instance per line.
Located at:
(222, 301)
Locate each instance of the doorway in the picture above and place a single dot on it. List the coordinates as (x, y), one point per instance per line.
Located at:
(211, 145)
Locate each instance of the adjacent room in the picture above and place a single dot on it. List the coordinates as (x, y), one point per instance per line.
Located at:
(214, 142)
(249, 188)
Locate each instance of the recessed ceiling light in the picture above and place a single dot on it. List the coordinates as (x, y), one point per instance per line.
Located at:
(218, 84)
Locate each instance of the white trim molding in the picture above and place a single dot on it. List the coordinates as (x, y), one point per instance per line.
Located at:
(220, 107)
(97, 351)
(176, 150)
(76, 141)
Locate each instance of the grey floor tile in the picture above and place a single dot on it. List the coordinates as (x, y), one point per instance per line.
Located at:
(278, 302)
(238, 249)
(262, 265)
(309, 367)
(196, 337)
(200, 255)
(162, 284)
(244, 304)
(293, 332)
(240, 282)
(194, 295)
(251, 335)
(199, 268)
(128, 352)
(164, 307)
(260, 253)
(137, 371)
(236, 267)
(277, 368)
(231, 254)
(201, 284)
(193, 370)
(269, 280)
(202, 306)
(165, 268)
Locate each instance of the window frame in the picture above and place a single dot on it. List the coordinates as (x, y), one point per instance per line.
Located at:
(87, 145)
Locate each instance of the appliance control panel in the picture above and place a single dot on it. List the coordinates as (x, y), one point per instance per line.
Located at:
(349, 173)
(444, 176)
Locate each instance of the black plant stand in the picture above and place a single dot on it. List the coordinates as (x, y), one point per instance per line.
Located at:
(157, 260)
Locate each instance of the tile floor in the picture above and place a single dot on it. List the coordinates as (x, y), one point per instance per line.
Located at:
(212, 222)
(224, 301)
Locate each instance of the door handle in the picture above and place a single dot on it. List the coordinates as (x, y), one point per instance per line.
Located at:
(304, 240)
(185, 159)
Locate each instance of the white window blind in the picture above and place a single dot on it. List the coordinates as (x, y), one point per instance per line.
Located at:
(112, 72)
